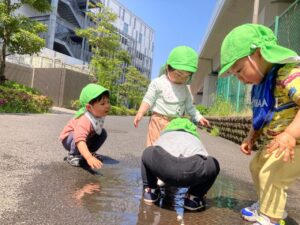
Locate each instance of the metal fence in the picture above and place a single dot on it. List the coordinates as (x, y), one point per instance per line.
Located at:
(287, 29)
(36, 61)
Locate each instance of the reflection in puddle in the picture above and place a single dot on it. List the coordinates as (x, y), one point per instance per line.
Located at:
(87, 189)
(115, 198)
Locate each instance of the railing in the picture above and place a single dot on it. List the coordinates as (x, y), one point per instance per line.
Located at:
(35, 61)
(74, 47)
(84, 22)
(286, 27)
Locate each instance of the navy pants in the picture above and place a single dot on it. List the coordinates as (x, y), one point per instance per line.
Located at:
(94, 142)
(196, 172)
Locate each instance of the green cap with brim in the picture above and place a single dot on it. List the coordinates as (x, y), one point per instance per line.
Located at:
(183, 58)
(245, 39)
(182, 124)
(88, 93)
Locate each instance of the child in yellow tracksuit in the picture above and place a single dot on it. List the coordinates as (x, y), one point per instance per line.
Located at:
(251, 53)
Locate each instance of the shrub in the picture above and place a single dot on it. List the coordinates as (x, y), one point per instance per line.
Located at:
(121, 111)
(17, 98)
(75, 104)
(131, 112)
(215, 131)
(202, 109)
(221, 107)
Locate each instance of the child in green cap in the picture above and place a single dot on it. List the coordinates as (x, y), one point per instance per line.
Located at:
(84, 134)
(251, 53)
(168, 96)
(179, 159)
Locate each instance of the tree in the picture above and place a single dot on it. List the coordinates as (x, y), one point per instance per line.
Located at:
(109, 60)
(134, 87)
(19, 34)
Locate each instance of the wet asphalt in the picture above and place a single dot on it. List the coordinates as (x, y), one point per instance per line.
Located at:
(38, 187)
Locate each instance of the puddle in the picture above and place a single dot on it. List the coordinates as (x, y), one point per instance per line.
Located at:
(65, 195)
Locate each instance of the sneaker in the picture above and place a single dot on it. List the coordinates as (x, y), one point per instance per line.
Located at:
(160, 183)
(151, 195)
(264, 220)
(97, 156)
(193, 203)
(252, 212)
(74, 160)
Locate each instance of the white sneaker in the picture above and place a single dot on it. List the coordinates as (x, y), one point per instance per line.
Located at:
(264, 220)
(160, 183)
(251, 213)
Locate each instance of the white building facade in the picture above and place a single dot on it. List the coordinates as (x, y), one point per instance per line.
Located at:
(136, 36)
(68, 15)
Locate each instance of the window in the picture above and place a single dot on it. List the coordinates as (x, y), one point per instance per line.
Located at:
(123, 14)
(125, 28)
(140, 38)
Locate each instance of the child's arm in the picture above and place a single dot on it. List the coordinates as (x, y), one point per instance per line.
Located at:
(144, 107)
(286, 141)
(91, 160)
(148, 101)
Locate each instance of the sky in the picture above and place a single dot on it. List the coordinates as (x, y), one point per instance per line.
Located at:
(175, 22)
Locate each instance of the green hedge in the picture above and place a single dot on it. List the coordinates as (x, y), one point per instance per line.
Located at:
(121, 111)
(17, 98)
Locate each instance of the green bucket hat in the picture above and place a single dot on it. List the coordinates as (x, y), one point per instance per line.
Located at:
(245, 39)
(182, 124)
(88, 93)
(183, 58)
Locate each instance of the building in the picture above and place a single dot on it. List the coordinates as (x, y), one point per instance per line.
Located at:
(136, 36)
(227, 15)
(67, 15)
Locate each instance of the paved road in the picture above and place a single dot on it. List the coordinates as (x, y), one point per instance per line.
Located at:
(38, 187)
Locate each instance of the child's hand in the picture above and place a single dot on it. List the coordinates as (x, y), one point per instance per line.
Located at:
(204, 122)
(94, 163)
(137, 119)
(284, 142)
(246, 146)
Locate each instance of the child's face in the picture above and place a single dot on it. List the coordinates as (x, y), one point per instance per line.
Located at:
(244, 70)
(179, 76)
(101, 108)
(250, 69)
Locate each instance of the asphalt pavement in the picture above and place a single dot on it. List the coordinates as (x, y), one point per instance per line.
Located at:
(38, 187)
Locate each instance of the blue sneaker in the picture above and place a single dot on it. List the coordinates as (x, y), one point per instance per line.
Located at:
(151, 195)
(193, 203)
(251, 213)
